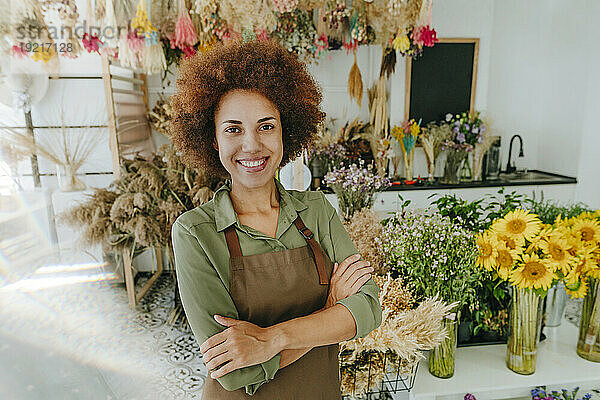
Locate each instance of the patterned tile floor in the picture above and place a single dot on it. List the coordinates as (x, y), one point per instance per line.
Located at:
(71, 334)
(66, 332)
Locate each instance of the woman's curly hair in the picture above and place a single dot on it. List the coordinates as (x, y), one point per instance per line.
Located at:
(262, 66)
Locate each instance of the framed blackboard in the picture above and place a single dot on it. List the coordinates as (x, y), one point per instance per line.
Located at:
(442, 80)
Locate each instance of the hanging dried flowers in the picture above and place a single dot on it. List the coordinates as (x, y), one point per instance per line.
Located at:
(296, 32)
(355, 84)
(91, 43)
(185, 33)
(282, 6)
(424, 36)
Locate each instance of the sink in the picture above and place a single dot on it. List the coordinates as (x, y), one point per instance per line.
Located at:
(526, 176)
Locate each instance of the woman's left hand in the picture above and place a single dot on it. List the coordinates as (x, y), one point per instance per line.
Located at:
(241, 345)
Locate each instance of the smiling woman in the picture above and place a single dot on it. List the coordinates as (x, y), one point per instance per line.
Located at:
(269, 279)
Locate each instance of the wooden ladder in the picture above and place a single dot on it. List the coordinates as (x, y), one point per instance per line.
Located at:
(130, 134)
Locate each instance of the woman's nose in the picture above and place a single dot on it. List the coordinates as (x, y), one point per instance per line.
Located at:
(251, 142)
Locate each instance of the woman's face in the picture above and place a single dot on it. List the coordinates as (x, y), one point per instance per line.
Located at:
(248, 137)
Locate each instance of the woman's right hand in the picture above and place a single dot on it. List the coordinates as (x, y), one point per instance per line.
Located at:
(347, 278)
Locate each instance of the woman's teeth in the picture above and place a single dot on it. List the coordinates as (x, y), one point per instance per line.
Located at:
(251, 164)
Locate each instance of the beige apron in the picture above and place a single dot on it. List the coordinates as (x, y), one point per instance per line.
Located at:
(274, 287)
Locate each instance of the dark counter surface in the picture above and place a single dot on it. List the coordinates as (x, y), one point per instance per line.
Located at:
(529, 178)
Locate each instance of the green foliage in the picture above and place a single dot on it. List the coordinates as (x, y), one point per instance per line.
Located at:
(549, 210)
(434, 255)
(488, 313)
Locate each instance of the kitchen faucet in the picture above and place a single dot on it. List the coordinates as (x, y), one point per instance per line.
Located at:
(510, 168)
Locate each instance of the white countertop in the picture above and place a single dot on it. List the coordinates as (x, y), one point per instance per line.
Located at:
(482, 371)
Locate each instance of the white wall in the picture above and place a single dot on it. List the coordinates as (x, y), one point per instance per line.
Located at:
(535, 77)
(588, 175)
(544, 56)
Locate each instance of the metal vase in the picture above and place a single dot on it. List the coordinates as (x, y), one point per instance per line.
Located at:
(556, 300)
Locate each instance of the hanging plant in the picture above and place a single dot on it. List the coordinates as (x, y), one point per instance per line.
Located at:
(355, 83)
(296, 32)
(185, 33)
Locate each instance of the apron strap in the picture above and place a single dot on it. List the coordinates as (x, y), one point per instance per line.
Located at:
(233, 245)
(316, 249)
(233, 242)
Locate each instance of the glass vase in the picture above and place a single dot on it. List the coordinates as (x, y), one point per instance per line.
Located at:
(442, 358)
(588, 344)
(524, 325)
(466, 173)
(408, 165)
(67, 179)
(454, 159)
(477, 161)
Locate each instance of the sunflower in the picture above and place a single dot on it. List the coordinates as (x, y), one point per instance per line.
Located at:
(487, 244)
(532, 273)
(556, 248)
(578, 290)
(594, 272)
(587, 230)
(505, 260)
(518, 224)
(537, 240)
(585, 261)
(511, 243)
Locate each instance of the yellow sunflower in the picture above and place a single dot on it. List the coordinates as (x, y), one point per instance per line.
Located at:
(533, 273)
(487, 244)
(505, 260)
(511, 243)
(518, 224)
(585, 261)
(594, 272)
(587, 230)
(556, 247)
(537, 240)
(577, 291)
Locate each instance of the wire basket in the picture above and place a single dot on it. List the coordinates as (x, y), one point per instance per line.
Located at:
(375, 375)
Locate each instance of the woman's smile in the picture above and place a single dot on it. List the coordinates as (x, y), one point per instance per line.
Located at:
(253, 164)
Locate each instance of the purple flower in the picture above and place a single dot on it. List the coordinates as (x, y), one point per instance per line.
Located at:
(479, 139)
(467, 127)
(460, 137)
(455, 130)
(475, 129)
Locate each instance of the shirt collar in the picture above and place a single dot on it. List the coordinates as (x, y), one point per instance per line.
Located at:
(225, 215)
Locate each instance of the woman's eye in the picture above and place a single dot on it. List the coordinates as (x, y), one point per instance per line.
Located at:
(270, 126)
(229, 130)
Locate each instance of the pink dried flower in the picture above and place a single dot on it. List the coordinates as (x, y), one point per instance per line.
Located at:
(91, 43)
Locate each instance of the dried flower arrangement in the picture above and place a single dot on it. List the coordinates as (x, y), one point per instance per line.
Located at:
(400, 339)
(160, 116)
(355, 187)
(137, 210)
(66, 147)
(363, 228)
(432, 138)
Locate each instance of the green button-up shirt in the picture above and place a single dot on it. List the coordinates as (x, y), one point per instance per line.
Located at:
(202, 266)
